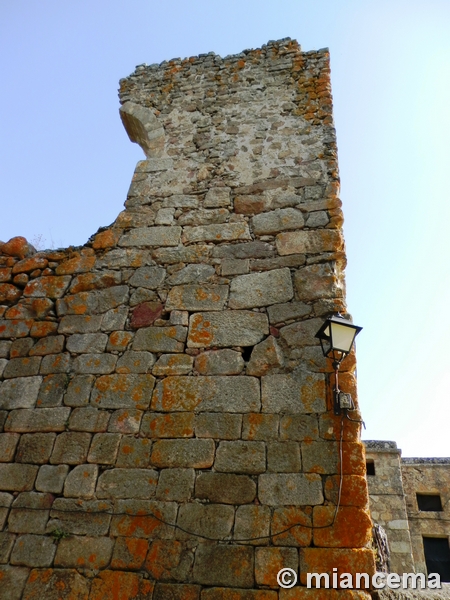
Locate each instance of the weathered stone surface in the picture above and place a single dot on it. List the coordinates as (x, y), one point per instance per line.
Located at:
(192, 274)
(52, 390)
(56, 584)
(17, 246)
(160, 339)
(51, 478)
(123, 391)
(119, 340)
(115, 319)
(261, 289)
(35, 447)
(139, 520)
(266, 355)
(324, 560)
(135, 362)
(279, 313)
(269, 561)
(198, 454)
(190, 254)
(257, 426)
(104, 448)
(56, 363)
(134, 452)
(145, 314)
(291, 526)
(254, 249)
(127, 483)
(22, 367)
(277, 220)
(81, 482)
(16, 477)
(33, 551)
(129, 553)
(29, 513)
(88, 418)
(316, 282)
(38, 419)
(80, 324)
(209, 394)
(228, 328)
(175, 485)
(352, 527)
(14, 329)
(173, 364)
(80, 517)
(152, 236)
(224, 565)
(219, 362)
(47, 287)
(226, 488)
(227, 427)
(211, 520)
(252, 522)
(5, 503)
(235, 266)
(87, 552)
(6, 545)
(309, 242)
(283, 457)
(297, 392)
(79, 390)
(171, 591)
(8, 443)
(168, 425)
(13, 581)
(225, 593)
(219, 196)
(197, 297)
(87, 342)
(97, 364)
(148, 277)
(224, 232)
(108, 583)
(125, 420)
(241, 457)
(21, 392)
(93, 302)
(290, 489)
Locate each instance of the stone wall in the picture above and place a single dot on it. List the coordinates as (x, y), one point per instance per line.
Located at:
(166, 430)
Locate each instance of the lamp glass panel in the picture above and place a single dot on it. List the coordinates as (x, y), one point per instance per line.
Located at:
(342, 337)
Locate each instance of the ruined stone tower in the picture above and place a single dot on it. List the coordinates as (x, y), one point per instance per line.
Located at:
(166, 426)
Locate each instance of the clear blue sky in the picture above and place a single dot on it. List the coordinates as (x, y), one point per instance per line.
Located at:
(66, 162)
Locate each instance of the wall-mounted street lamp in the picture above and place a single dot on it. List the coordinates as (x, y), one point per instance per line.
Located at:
(336, 338)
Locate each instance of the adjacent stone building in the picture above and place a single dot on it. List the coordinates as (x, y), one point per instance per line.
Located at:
(166, 426)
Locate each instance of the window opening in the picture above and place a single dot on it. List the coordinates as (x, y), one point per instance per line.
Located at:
(437, 556)
(370, 467)
(427, 502)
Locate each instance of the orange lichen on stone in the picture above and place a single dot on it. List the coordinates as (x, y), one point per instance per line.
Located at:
(302, 593)
(163, 556)
(120, 585)
(30, 264)
(106, 239)
(351, 529)
(354, 490)
(345, 560)
(172, 425)
(199, 332)
(292, 516)
(17, 246)
(129, 553)
(43, 328)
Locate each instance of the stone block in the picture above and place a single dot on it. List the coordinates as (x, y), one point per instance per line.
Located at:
(298, 335)
(80, 343)
(301, 428)
(29, 513)
(48, 583)
(257, 426)
(8, 444)
(35, 447)
(266, 356)
(227, 328)
(52, 390)
(353, 493)
(144, 519)
(281, 489)
(47, 287)
(5, 502)
(104, 448)
(16, 477)
(345, 560)
(352, 527)
(19, 393)
(224, 565)
(297, 392)
(207, 394)
(261, 289)
(119, 340)
(283, 457)
(197, 297)
(309, 242)
(80, 324)
(160, 339)
(81, 482)
(226, 593)
(80, 517)
(269, 561)
(88, 418)
(51, 478)
(280, 313)
(71, 448)
(127, 483)
(22, 367)
(95, 281)
(190, 254)
(235, 266)
(125, 420)
(135, 362)
(3, 417)
(173, 364)
(108, 583)
(330, 427)
(152, 236)
(215, 197)
(171, 560)
(291, 526)
(123, 391)
(53, 344)
(123, 257)
(33, 551)
(79, 390)
(176, 591)
(254, 249)
(38, 419)
(251, 205)
(56, 363)
(175, 485)
(223, 232)
(96, 364)
(133, 452)
(210, 520)
(240, 457)
(41, 329)
(179, 317)
(6, 545)
(84, 552)
(226, 427)
(219, 362)
(164, 216)
(192, 274)
(168, 425)
(194, 453)
(129, 553)
(323, 457)
(145, 314)
(225, 488)
(252, 522)
(148, 277)
(115, 319)
(13, 581)
(14, 328)
(5, 346)
(315, 282)
(3, 363)
(277, 220)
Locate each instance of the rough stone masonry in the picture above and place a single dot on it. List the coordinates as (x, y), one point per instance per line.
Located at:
(166, 429)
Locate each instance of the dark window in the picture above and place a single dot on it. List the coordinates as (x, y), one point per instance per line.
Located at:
(370, 467)
(437, 556)
(429, 502)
